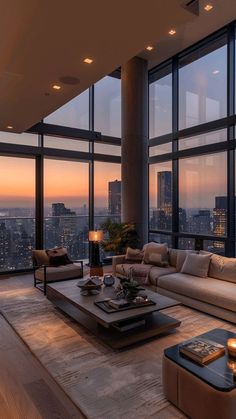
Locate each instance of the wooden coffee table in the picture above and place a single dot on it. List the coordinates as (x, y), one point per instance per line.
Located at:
(67, 296)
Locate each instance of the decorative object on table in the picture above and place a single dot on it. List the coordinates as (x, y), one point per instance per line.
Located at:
(202, 350)
(231, 363)
(120, 236)
(231, 346)
(90, 286)
(131, 289)
(95, 237)
(108, 280)
(126, 305)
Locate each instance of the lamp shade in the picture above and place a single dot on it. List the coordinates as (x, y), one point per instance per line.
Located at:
(95, 236)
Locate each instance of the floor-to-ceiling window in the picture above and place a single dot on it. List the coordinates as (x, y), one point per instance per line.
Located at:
(66, 196)
(70, 181)
(192, 142)
(17, 212)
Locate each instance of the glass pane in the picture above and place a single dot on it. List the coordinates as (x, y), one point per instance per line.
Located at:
(202, 194)
(203, 88)
(186, 243)
(160, 187)
(21, 139)
(214, 247)
(203, 139)
(160, 106)
(66, 206)
(160, 238)
(107, 106)
(66, 144)
(17, 213)
(158, 150)
(73, 114)
(107, 192)
(112, 150)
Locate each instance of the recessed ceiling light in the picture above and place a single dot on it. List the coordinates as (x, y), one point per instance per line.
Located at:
(215, 72)
(172, 32)
(56, 87)
(149, 48)
(208, 7)
(88, 60)
(9, 127)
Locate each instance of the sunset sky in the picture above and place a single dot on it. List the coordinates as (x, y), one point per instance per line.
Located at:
(201, 179)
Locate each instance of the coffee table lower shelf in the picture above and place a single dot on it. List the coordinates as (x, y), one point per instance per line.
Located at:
(156, 324)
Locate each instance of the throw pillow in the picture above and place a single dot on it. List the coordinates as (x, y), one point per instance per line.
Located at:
(156, 259)
(156, 248)
(58, 256)
(134, 255)
(197, 265)
(181, 256)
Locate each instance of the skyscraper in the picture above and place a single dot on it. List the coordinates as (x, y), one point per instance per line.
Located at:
(59, 209)
(114, 197)
(164, 182)
(220, 219)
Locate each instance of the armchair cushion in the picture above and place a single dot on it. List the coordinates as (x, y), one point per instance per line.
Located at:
(57, 273)
(40, 257)
(58, 256)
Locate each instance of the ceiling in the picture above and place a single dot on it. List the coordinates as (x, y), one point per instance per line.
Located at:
(46, 40)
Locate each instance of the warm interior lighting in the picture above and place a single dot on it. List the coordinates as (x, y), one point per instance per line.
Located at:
(149, 48)
(56, 87)
(215, 72)
(231, 346)
(172, 32)
(88, 60)
(208, 7)
(95, 236)
(9, 127)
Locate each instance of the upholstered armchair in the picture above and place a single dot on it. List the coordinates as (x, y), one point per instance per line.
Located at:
(45, 273)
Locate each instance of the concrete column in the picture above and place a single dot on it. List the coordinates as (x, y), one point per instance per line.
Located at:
(134, 160)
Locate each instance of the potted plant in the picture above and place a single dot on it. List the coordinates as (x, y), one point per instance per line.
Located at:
(119, 236)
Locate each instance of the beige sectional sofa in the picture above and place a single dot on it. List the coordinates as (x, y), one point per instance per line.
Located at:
(214, 294)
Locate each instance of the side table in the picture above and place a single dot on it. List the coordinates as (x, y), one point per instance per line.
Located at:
(200, 391)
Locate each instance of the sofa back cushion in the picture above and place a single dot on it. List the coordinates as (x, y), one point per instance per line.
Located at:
(181, 256)
(197, 265)
(223, 268)
(157, 248)
(134, 255)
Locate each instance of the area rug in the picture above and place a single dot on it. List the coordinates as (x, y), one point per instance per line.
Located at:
(103, 383)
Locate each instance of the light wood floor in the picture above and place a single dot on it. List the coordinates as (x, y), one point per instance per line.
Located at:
(26, 388)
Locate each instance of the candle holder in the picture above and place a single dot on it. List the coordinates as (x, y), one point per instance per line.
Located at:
(231, 364)
(231, 346)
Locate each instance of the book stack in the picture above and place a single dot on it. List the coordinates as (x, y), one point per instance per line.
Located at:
(202, 350)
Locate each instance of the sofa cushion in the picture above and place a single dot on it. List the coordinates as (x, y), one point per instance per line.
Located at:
(156, 260)
(223, 268)
(181, 256)
(158, 248)
(212, 291)
(156, 272)
(140, 272)
(134, 255)
(197, 265)
(60, 272)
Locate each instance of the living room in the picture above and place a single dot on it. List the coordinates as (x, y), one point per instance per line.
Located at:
(117, 122)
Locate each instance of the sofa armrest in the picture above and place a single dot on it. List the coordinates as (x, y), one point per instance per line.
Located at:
(117, 260)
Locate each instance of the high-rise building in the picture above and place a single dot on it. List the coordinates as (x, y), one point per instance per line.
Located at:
(59, 209)
(114, 197)
(220, 219)
(164, 184)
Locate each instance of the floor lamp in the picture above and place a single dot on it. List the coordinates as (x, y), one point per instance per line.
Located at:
(95, 264)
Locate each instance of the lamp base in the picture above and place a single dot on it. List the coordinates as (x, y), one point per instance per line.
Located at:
(96, 271)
